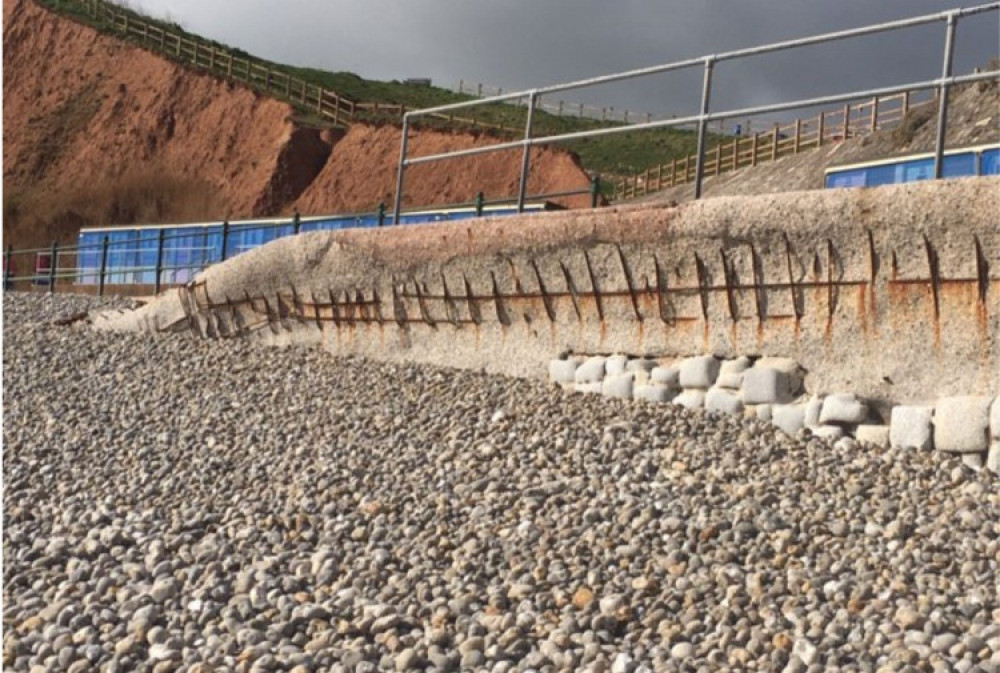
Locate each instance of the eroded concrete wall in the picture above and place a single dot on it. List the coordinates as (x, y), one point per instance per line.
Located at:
(893, 293)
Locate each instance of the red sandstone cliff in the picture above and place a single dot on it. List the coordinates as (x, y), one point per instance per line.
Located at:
(97, 131)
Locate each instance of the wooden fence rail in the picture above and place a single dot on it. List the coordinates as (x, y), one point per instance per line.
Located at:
(221, 62)
(802, 134)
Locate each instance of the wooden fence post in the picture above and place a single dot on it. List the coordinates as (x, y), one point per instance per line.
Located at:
(736, 152)
(774, 143)
(798, 136)
(753, 148)
(906, 103)
(718, 158)
(847, 121)
(820, 126)
(874, 126)
(673, 171)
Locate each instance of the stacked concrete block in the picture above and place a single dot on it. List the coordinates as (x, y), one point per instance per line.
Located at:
(696, 375)
(615, 365)
(699, 372)
(770, 390)
(814, 407)
(843, 409)
(772, 381)
(873, 434)
(654, 392)
(618, 386)
(911, 427)
(692, 398)
(962, 424)
(563, 372)
(640, 365)
(590, 370)
(669, 375)
(789, 418)
(723, 400)
(731, 373)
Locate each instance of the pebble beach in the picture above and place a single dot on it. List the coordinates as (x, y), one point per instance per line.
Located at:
(179, 505)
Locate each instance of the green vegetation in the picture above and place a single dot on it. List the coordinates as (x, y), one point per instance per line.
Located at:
(613, 155)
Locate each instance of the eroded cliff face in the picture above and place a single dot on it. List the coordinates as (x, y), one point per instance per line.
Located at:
(97, 131)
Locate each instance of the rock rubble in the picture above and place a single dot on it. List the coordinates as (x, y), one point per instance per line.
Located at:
(172, 504)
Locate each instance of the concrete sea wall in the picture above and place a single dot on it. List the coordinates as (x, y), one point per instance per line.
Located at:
(892, 293)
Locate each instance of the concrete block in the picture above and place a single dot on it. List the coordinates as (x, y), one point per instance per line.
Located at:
(699, 372)
(813, 408)
(562, 371)
(590, 370)
(995, 419)
(593, 388)
(766, 385)
(730, 381)
(641, 376)
(654, 392)
(843, 408)
(670, 375)
(640, 365)
(615, 365)
(735, 366)
(790, 418)
(719, 399)
(790, 367)
(974, 460)
(764, 411)
(877, 435)
(962, 424)
(831, 432)
(910, 427)
(993, 457)
(692, 399)
(617, 385)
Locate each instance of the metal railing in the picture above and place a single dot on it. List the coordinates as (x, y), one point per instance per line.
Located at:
(705, 116)
(91, 266)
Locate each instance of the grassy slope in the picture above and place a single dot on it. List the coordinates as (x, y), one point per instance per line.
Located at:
(615, 155)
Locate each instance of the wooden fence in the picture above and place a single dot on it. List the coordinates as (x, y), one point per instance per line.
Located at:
(562, 108)
(802, 134)
(325, 103)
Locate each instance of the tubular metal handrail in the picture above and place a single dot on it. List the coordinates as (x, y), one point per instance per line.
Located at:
(943, 83)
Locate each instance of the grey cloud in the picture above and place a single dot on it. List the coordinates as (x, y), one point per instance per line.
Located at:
(526, 43)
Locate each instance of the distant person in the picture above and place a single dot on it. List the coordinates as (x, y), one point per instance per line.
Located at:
(738, 130)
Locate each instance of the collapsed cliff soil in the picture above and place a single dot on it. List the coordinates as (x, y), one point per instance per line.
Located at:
(97, 131)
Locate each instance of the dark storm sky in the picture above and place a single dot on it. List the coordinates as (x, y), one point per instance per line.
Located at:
(520, 44)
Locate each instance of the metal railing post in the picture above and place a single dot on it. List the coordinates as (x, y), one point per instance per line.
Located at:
(595, 190)
(53, 263)
(526, 156)
(296, 223)
(105, 244)
(381, 213)
(225, 240)
(942, 125)
(706, 93)
(161, 239)
(8, 260)
(480, 202)
(400, 171)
